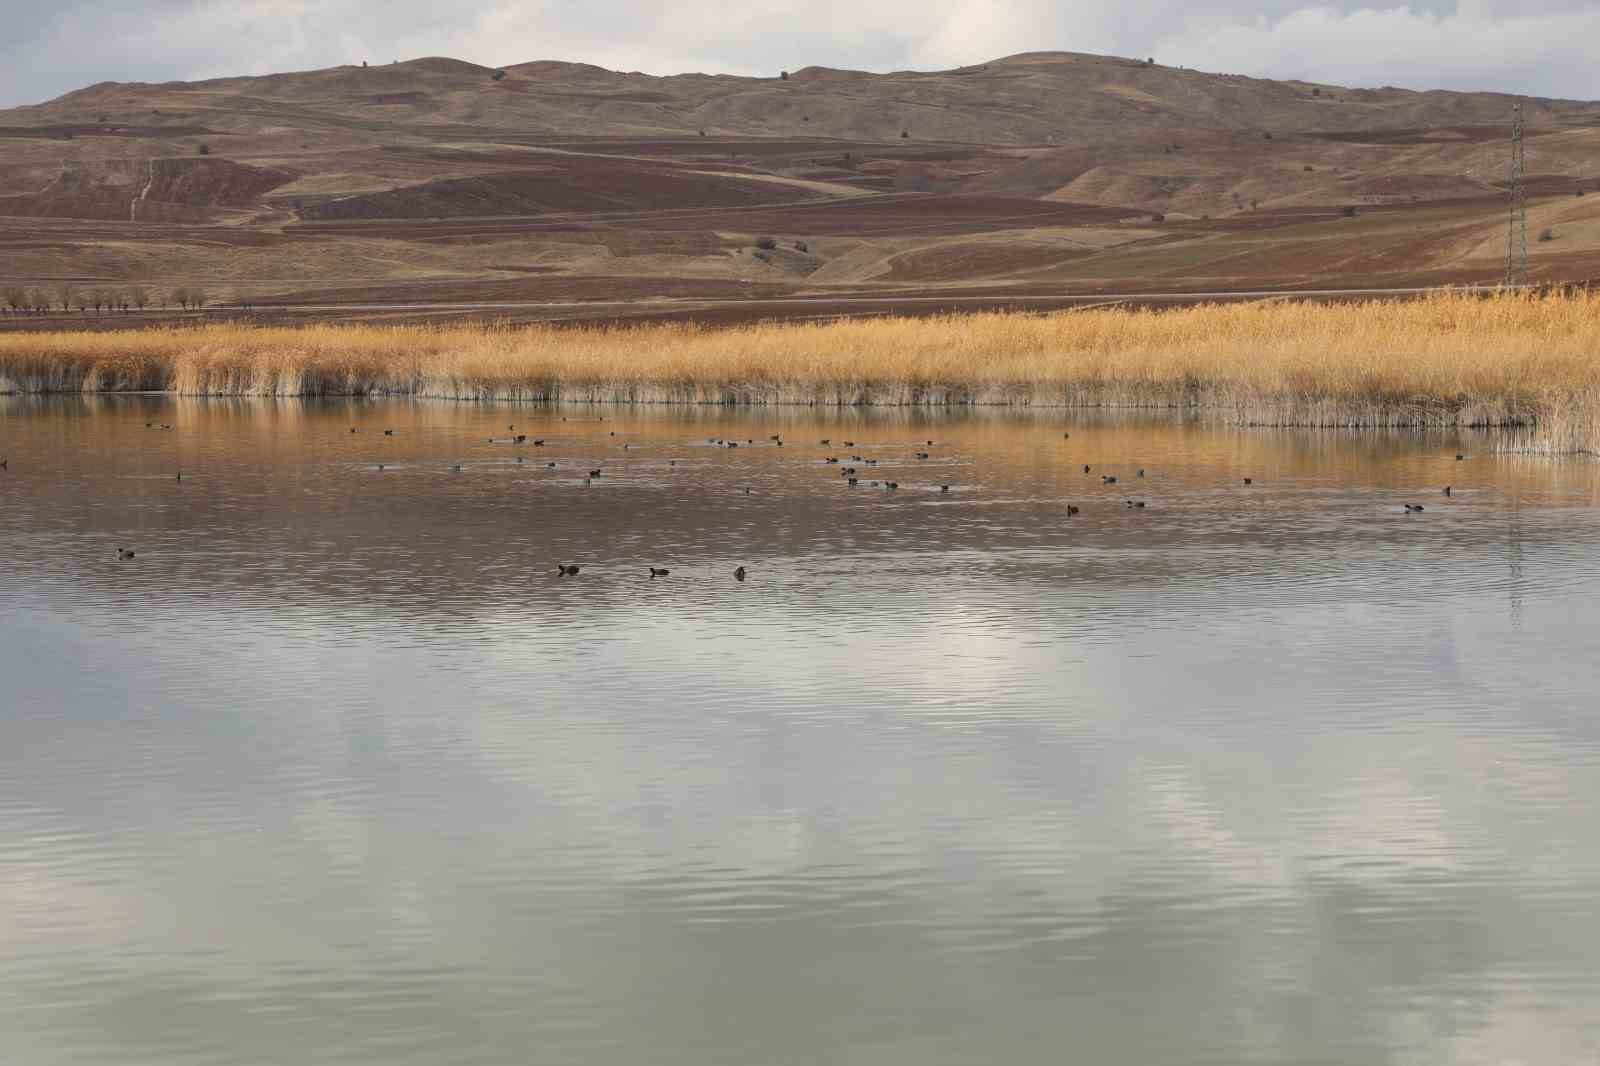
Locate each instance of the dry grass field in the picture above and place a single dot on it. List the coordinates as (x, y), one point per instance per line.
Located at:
(1512, 360)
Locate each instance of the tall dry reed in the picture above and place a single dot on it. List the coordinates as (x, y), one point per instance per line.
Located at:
(1526, 360)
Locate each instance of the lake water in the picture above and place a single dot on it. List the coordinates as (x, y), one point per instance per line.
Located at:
(337, 770)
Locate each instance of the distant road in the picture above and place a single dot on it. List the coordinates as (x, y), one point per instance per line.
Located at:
(712, 310)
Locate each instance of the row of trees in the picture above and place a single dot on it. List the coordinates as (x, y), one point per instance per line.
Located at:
(19, 300)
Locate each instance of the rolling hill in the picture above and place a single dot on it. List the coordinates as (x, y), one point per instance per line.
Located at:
(562, 185)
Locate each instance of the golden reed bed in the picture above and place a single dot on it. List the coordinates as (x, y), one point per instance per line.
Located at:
(1514, 360)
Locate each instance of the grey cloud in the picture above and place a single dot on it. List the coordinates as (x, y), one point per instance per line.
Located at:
(1534, 46)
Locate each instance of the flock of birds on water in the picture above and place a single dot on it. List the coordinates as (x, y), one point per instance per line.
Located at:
(851, 474)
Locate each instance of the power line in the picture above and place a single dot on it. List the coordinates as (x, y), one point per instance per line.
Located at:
(1517, 208)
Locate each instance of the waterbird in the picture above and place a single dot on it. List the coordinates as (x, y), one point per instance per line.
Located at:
(539, 443)
(1459, 457)
(1141, 471)
(775, 436)
(456, 468)
(930, 443)
(567, 570)
(1108, 479)
(824, 442)
(944, 488)
(522, 438)
(1071, 510)
(550, 466)
(124, 553)
(656, 571)
(352, 428)
(1446, 488)
(1413, 507)
(5, 464)
(1066, 436)
(594, 473)
(613, 433)
(852, 482)
(747, 490)
(380, 466)
(922, 455)
(1085, 468)
(831, 459)
(388, 433)
(733, 444)
(891, 484)
(849, 444)
(180, 476)
(1135, 503)
(1247, 481)
(738, 575)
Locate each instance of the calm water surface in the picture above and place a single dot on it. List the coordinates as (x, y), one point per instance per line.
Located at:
(337, 770)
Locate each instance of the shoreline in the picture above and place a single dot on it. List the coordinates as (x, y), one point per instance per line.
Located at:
(1516, 361)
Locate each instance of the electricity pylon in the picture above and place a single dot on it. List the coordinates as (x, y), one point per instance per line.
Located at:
(1516, 208)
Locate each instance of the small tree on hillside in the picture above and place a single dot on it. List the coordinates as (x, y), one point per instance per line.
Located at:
(180, 296)
(783, 75)
(205, 149)
(766, 244)
(139, 296)
(14, 297)
(197, 298)
(66, 295)
(498, 75)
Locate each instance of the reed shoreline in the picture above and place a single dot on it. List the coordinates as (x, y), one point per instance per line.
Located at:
(1524, 361)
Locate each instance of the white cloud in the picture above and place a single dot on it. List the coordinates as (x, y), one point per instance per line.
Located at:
(1545, 52)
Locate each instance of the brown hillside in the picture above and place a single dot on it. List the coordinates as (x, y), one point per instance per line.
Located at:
(1053, 173)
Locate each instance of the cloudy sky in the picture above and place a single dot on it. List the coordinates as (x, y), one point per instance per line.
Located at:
(1542, 47)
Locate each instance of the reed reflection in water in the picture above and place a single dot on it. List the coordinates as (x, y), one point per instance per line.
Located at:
(337, 769)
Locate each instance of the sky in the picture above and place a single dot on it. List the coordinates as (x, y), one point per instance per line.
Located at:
(1538, 47)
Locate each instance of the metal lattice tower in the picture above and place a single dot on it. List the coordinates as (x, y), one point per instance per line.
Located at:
(1516, 208)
